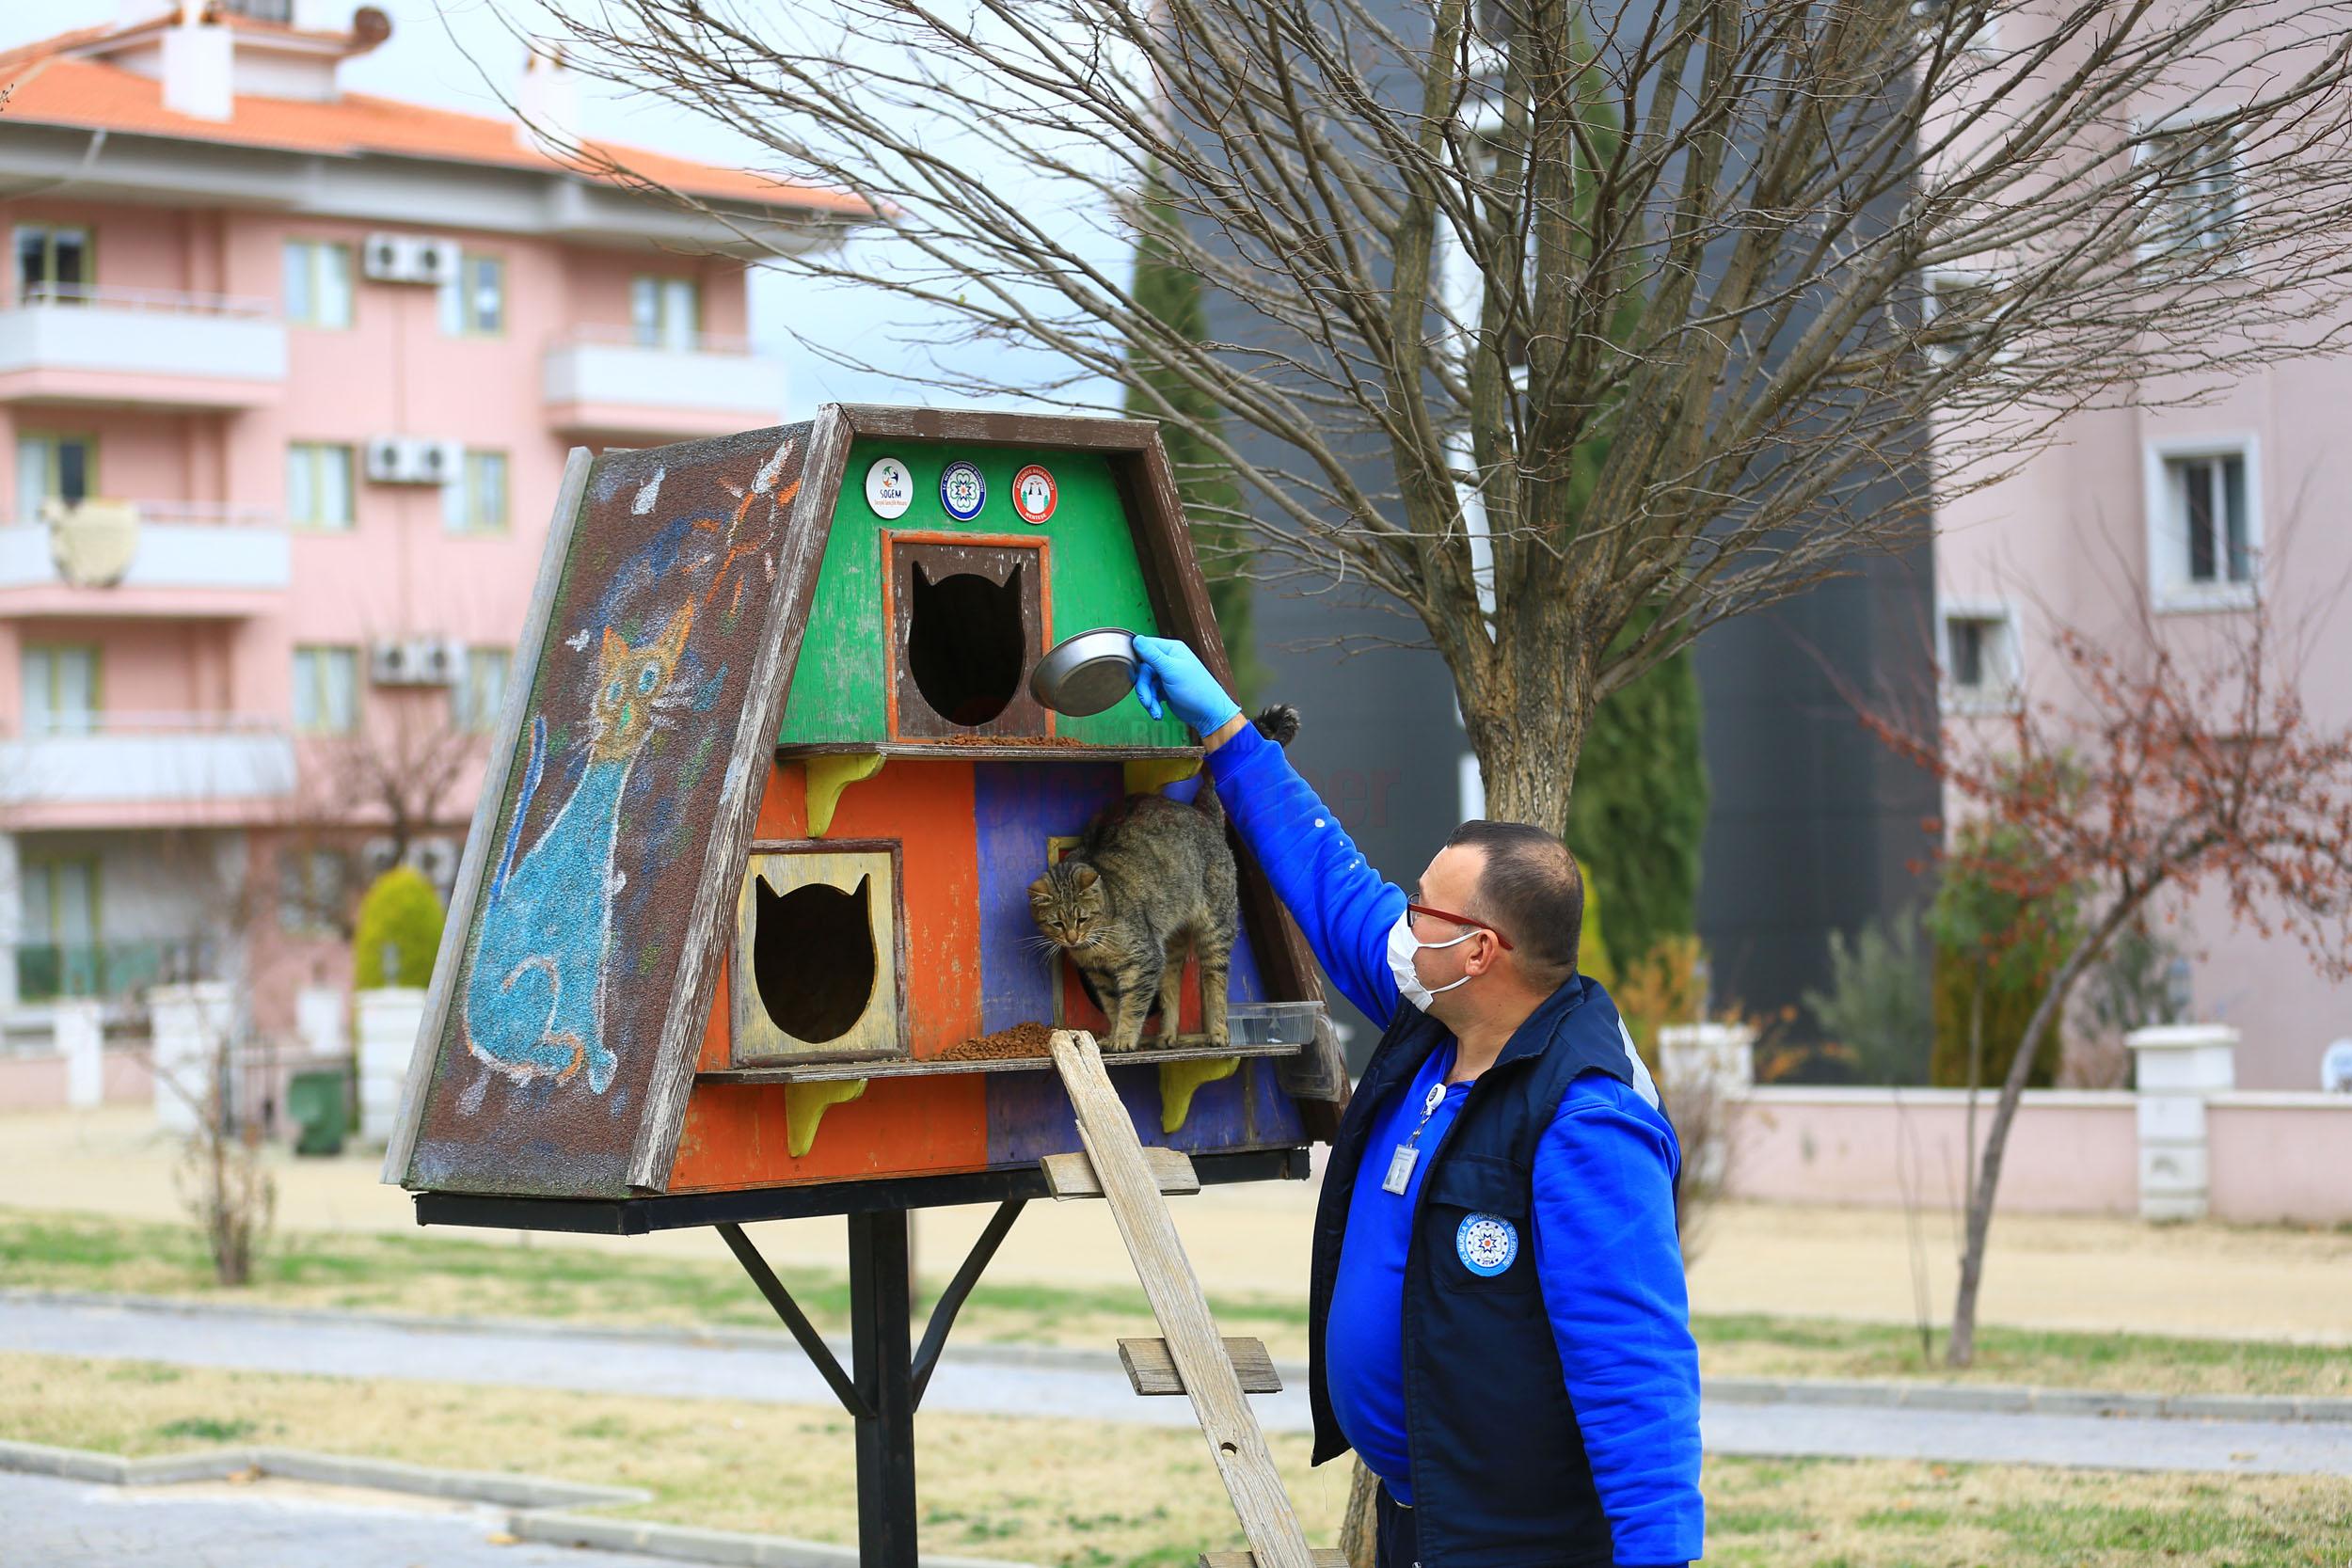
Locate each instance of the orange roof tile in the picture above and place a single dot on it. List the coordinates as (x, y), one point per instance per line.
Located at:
(62, 90)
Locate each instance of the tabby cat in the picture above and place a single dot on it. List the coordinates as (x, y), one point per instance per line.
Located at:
(1150, 878)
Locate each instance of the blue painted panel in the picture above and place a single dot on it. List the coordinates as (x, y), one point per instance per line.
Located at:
(1030, 1116)
(1016, 807)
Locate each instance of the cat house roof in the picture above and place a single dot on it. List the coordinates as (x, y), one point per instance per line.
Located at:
(594, 904)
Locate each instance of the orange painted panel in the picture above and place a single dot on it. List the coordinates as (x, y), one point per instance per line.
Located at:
(927, 806)
(735, 1134)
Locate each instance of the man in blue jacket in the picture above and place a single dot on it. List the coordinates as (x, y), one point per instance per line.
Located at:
(1497, 1316)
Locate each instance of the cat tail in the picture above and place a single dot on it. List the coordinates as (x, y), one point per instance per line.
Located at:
(522, 803)
(1277, 723)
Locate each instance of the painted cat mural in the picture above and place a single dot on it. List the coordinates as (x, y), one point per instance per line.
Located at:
(533, 1008)
(534, 1001)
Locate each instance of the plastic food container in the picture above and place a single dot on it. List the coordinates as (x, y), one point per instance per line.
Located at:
(1272, 1022)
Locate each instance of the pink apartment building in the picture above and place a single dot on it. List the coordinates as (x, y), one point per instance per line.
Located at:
(2180, 519)
(287, 377)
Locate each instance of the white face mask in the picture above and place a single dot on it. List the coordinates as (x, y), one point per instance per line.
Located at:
(1403, 944)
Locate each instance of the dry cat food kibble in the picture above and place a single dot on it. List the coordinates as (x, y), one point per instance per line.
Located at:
(1022, 1039)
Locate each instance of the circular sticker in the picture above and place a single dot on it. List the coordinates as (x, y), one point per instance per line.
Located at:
(1487, 1244)
(889, 488)
(963, 491)
(1034, 494)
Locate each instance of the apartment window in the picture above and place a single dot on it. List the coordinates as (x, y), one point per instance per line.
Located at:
(53, 264)
(318, 283)
(1983, 26)
(665, 312)
(476, 503)
(474, 304)
(2189, 178)
(60, 953)
(1980, 656)
(280, 12)
(51, 469)
(2204, 536)
(325, 690)
(481, 690)
(313, 891)
(318, 486)
(60, 688)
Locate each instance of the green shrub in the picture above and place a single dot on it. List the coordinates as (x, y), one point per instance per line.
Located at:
(1876, 1005)
(400, 930)
(1996, 949)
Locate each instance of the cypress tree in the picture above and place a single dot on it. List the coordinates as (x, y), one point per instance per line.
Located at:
(1640, 807)
(1169, 292)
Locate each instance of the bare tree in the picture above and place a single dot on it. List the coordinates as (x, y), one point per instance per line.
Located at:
(1575, 329)
(2160, 765)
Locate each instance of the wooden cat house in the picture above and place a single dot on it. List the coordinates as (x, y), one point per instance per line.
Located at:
(744, 905)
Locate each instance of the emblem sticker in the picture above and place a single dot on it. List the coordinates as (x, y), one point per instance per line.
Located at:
(1034, 494)
(963, 491)
(889, 488)
(1487, 1244)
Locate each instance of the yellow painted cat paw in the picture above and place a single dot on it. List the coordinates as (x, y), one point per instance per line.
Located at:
(804, 1106)
(1177, 1081)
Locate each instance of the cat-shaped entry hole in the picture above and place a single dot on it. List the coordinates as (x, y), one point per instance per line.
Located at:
(813, 957)
(967, 643)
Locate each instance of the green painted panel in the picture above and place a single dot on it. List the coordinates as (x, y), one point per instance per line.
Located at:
(1095, 580)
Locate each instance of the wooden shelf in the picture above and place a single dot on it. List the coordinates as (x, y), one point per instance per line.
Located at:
(835, 1072)
(985, 750)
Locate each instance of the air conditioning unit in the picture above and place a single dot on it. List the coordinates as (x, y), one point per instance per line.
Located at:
(416, 661)
(436, 860)
(408, 258)
(438, 660)
(414, 459)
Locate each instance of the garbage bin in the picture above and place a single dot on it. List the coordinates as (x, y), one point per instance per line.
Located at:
(319, 1104)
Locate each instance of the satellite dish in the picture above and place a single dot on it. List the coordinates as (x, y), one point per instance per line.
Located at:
(92, 542)
(2335, 1068)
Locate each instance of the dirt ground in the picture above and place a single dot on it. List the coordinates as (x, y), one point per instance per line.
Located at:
(2046, 1271)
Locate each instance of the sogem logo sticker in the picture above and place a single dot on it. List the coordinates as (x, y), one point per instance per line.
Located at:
(889, 488)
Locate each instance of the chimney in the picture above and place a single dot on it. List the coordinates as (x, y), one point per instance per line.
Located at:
(548, 103)
(200, 58)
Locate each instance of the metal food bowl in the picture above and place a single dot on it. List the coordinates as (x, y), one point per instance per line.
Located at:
(1086, 673)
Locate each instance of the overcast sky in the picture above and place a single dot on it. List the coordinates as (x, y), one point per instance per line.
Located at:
(440, 53)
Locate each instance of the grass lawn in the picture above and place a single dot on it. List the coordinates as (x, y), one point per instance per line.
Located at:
(435, 1274)
(1090, 1496)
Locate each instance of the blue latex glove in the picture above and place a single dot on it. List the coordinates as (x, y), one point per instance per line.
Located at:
(1169, 673)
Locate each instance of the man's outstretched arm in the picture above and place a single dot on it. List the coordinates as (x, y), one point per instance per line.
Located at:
(1342, 905)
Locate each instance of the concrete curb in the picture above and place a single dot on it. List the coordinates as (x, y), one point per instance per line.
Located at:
(538, 1504)
(1891, 1393)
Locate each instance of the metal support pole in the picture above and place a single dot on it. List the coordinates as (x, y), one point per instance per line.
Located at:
(881, 1362)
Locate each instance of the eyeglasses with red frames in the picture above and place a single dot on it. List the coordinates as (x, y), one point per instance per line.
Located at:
(1458, 920)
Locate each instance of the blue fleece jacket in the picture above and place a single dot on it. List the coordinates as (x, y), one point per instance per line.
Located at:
(1603, 1181)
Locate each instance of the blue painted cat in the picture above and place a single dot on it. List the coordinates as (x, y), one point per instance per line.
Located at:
(534, 1000)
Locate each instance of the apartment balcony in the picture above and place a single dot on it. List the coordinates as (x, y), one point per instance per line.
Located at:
(184, 560)
(118, 769)
(605, 383)
(107, 970)
(141, 347)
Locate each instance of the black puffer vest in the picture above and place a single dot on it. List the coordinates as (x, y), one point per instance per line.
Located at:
(1500, 1477)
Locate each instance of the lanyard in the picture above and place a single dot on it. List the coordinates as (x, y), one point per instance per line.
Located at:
(1408, 1153)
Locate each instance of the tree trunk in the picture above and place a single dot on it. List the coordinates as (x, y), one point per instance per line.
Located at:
(1529, 732)
(1960, 1349)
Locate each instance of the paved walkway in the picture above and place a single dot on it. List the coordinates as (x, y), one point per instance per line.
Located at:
(982, 1380)
(74, 1524)
(2105, 1276)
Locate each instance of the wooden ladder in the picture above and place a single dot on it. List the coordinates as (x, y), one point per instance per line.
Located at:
(1192, 1359)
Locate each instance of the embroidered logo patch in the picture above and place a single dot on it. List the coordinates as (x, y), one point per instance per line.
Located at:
(1487, 1244)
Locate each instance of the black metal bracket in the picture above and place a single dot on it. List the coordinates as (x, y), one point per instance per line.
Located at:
(942, 1318)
